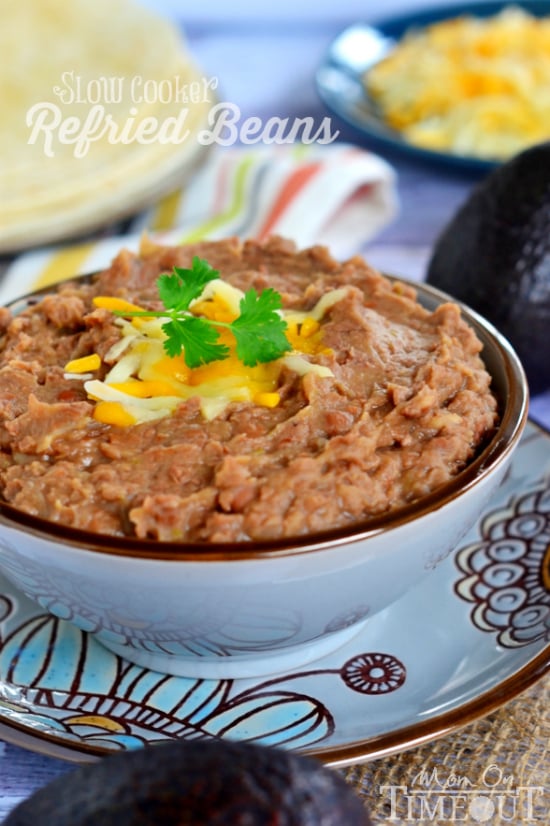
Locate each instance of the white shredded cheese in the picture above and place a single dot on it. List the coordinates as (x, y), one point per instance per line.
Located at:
(139, 357)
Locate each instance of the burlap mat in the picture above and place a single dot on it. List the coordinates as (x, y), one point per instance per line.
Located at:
(495, 771)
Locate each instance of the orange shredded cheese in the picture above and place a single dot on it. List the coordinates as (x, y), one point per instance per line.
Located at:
(308, 327)
(84, 364)
(267, 399)
(144, 384)
(112, 303)
(113, 413)
(144, 389)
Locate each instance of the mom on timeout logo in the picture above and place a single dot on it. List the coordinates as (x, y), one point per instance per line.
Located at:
(492, 798)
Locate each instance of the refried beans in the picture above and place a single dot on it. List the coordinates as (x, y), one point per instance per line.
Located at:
(406, 407)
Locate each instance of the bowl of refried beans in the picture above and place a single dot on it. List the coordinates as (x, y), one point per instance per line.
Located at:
(221, 459)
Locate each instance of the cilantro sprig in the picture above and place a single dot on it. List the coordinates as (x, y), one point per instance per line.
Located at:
(259, 330)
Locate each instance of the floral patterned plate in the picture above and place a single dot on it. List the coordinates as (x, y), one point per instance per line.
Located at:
(473, 635)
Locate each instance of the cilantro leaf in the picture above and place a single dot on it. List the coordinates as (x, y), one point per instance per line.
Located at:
(178, 289)
(261, 307)
(196, 338)
(259, 330)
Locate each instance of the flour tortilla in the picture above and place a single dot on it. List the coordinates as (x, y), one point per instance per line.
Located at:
(46, 45)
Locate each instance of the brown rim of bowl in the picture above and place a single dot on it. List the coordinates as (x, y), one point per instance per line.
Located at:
(513, 397)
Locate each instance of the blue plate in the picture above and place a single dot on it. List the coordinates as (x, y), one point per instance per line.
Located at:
(361, 46)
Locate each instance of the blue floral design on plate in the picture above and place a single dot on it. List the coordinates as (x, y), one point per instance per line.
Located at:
(78, 691)
(507, 573)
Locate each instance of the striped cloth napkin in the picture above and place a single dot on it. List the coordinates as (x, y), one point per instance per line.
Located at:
(338, 195)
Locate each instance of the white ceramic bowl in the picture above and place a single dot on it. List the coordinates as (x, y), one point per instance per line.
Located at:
(255, 608)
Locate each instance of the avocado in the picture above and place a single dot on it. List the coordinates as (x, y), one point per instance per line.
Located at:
(494, 256)
(188, 783)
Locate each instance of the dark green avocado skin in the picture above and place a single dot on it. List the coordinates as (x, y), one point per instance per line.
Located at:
(187, 783)
(494, 256)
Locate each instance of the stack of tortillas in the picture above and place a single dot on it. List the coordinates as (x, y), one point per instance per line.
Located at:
(102, 109)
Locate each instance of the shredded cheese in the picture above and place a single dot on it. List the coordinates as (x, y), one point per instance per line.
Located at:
(113, 413)
(112, 302)
(143, 383)
(469, 85)
(84, 364)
